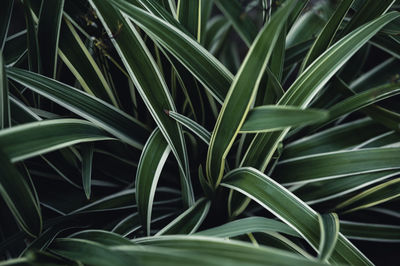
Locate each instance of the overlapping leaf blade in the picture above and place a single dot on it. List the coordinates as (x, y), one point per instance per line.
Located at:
(102, 114)
(241, 94)
(204, 66)
(151, 162)
(25, 209)
(290, 209)
(150, 84)
(28, 140)
(310, 82)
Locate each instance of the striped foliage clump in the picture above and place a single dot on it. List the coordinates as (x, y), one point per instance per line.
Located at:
(199, 132)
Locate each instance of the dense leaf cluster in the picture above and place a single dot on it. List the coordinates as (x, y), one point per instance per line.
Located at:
(199, 132)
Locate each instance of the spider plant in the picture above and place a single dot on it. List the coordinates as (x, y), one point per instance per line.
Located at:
(199, 132)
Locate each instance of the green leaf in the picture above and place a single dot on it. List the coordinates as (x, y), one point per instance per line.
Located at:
(78, 59)
(204, 66)
(87, 164)
(289, 209)
(151, 162)
(48, 34)
(206, 9)
(373, 196)
(100, 113)
(189, 15)
(359, 101)
(29, 140)
(232, 9)
(189, 221)
(269, 118)
(370, 10)
(19, 198)
(5, 119)
(197, 129)
(248, 225)
(236, 252)
(310, 82)
(15, 48)
(241, 94)
(197, 252)
(5, 17)
(150, 84)
(336, 138)
(34, 59)
(389, 44)
(327, 34)
(334, 189)
(336, 164)
(329, 226)
(102, 237)
(370, 232)
(310, 21)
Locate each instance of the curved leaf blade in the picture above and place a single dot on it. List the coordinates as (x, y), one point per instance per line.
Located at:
(248, 225)
(329, 226)
(18, 196)
(269, 118)
(327, 34)
(189, 221)
(336, 164)
(5, 118)
(32, 139)
(241, 94)
(95, 110)
(48, 35)
(204, 66)
(310, 82)
(152, 160)
(290, 209)
(150, 84)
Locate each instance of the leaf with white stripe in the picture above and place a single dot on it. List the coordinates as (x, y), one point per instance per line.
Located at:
(249, 225)
(329, 226)
(370, 231)
(291, 210)
(152, 160)
(203, 65)
(193, 126)
(330, 165)
(189, 221)
(242, 93)
(32, 139)
(150, 84)
(268, 118)
(379, 194)
(19, 197)
(5, 118)
(106, 116)
(310, 82)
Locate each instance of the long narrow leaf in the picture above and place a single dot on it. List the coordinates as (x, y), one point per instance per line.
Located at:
(28, 140)
(48, 34)
(150, 84)
(151, 162)
(310, 82)
(336, 164)
(290, 209)
(5, 15)
(241, 94)
(329, 225)
(189, 221)
(104, 115)
(269, 118)
(25, 209)
(204, 66)
(5, 118)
